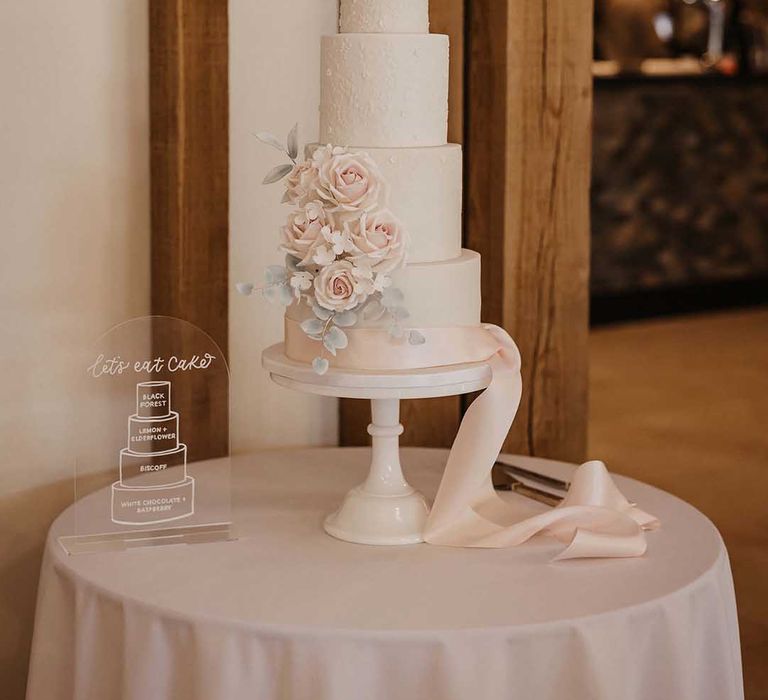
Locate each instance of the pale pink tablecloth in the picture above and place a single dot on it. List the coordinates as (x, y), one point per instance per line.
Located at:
(287, 612)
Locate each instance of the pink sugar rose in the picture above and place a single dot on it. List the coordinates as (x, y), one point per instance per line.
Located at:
(304, 231)
(335, 287)
(348, 182)
(380, 238)
(300, 183)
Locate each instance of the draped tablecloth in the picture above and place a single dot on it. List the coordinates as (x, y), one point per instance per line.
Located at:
(287, 612)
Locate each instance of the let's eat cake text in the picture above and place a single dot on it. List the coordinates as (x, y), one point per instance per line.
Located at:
(117, 365)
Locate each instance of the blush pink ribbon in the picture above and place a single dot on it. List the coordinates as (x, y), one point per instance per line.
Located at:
(594, 519)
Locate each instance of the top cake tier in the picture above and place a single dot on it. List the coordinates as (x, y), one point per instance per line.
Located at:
(384, 16)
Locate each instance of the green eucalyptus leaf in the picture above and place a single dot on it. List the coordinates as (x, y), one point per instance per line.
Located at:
(329, 346)
(392, 297)
(346, 319)
(275, 274)
(293, 141)
(277, 173)
(400, 313)
(320, 312)
(312, 326)
(270, 140)
(373, 311)
(416, 338)
(336, 337)
(320, 365)
(285, 295)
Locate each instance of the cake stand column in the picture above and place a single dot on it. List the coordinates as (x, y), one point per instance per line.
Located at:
(385, 509)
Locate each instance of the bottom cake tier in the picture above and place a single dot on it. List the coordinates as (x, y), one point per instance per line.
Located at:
(443, 301)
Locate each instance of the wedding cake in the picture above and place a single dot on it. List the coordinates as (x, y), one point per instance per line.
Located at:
(375, 279)
(154, 486)
(375, 275)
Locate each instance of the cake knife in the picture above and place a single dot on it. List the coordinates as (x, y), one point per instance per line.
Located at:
(512, 470)
(531, 492)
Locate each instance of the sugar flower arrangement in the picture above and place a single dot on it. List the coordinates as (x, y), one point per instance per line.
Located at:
(341, 244)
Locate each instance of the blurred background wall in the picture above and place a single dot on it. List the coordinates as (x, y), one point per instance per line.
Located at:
(273, 84)
(679, 278)
(74, 225)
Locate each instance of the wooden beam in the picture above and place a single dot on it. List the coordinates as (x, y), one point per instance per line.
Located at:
(447, 17)
(433, 422)
(189, 183)
(528, 138)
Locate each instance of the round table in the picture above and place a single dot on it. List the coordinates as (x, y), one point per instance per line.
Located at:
(285, 611)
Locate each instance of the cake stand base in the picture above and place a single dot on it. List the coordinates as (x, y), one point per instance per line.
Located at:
(366, 518)
(384, 509)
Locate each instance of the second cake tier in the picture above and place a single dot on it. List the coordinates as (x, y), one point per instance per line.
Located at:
(385, 90)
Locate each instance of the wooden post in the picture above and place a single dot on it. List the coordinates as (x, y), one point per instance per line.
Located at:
(428, 422)
(528, 145)
(189, 183)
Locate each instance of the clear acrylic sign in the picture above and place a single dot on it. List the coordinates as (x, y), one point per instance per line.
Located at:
(152, 462)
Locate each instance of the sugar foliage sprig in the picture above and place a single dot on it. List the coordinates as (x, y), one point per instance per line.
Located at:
(291, 149)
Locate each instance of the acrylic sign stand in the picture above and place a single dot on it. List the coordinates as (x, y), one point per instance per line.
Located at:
(151, 425)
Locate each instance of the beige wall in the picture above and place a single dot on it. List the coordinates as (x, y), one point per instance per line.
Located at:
(74, 227)
(274, 82)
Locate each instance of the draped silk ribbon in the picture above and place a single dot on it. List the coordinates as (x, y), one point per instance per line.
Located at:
(594, 519)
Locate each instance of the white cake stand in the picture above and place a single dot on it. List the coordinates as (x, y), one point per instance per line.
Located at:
(384, 509)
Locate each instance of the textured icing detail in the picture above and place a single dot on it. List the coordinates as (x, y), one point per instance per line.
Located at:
(375, 92)
(425, 194)
(384, 16)
(437, 294)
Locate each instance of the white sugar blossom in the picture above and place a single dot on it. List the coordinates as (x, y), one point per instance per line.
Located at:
(381, 282)
(323, 255)
(301, 282)
(363, 278)
(340, 241)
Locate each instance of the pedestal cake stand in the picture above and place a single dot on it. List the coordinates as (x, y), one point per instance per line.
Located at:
(384, 509)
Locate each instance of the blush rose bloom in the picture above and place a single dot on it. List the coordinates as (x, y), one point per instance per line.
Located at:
(304, 231)
(300, 183)
(348, 182)
(335, 287)
(380, 238)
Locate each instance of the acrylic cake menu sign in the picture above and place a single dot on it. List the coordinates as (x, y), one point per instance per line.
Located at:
(152, 439)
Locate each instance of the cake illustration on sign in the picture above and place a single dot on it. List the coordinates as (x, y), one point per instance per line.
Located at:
(154, 486)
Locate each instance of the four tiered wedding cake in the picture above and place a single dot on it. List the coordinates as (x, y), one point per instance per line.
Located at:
(384, 107)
